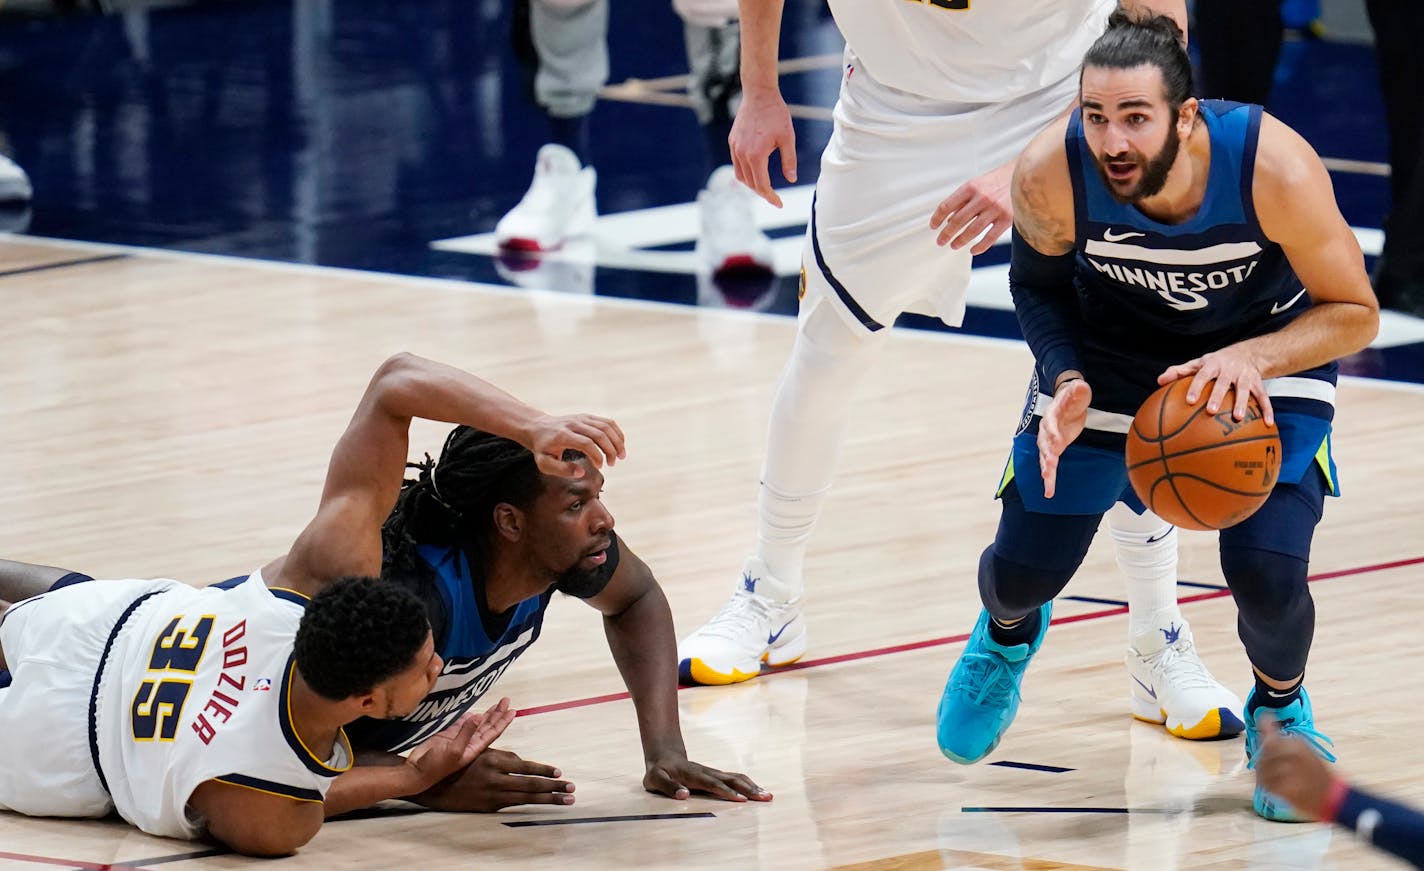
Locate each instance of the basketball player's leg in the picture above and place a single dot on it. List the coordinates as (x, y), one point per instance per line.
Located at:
(1265, 560)
(1168, 683)
(562, 46)
(1033, 557)
(810, 406)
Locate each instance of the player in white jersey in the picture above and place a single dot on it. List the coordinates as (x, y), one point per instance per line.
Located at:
(937, 96)
(190, 710)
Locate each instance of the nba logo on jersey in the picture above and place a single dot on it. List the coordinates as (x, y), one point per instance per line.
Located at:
(262, 685)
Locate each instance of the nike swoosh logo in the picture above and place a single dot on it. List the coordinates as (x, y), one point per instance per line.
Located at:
(1145, 687)
(1110, 236)
(1157, 538)
(771, 639)
(1278, 308)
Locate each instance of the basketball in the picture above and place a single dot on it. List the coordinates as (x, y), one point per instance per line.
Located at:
(1200, 470)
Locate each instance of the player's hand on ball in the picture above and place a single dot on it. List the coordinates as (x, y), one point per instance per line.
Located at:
(598, 438)
(978, 204)
(677, 777)
(1064, 422)
(498, 779)
(456, 746)
(1232, 366)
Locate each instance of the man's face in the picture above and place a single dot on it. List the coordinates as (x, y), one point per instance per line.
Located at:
(1131, 131)
(404, 691)
(570, 529)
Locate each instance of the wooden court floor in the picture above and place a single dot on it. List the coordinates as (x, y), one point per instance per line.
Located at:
(171, 415)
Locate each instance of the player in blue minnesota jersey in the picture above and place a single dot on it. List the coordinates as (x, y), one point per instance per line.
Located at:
(486, 536)
(1156, 238)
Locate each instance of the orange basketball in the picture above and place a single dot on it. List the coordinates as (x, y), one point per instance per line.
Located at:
(1200, 470)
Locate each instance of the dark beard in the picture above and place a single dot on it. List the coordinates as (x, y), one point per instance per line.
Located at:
(1154, 172)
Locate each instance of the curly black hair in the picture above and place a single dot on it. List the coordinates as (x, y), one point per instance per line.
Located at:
(1134, 39)
(357, 633)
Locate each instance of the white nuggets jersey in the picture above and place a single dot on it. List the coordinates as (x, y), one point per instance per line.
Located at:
(195, 686)
(970, 51)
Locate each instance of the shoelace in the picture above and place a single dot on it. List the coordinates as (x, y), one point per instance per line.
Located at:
(1308, 734)
(746, 614)
(988, 678)
(1179, 662)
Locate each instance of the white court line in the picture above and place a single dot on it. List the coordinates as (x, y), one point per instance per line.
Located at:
(1389, 321)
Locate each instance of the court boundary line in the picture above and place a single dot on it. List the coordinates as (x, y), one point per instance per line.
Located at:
(477, 288)
(799, 666)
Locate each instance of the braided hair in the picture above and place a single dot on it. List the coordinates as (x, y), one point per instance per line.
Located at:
(451, 502)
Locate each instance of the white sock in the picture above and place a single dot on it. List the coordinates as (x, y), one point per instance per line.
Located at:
(1147, 554)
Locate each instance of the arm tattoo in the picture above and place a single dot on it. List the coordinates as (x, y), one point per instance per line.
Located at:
(1035, 219)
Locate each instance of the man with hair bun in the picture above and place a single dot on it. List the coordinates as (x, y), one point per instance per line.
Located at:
(1159, 237)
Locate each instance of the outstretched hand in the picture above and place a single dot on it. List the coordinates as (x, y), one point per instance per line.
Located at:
(456, 746)
(980, 204)
(1064, 422)
(1288, 768)
(762, 125)
(675, 776)
(598, 438)
(498, 779)
(1232, 366)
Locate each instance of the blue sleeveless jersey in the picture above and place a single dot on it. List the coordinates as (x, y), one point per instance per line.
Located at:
(1152, 295)
(477, 647)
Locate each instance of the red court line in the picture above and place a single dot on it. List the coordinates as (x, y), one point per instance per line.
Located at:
(954, 639)
(814, 663)
(68, 863)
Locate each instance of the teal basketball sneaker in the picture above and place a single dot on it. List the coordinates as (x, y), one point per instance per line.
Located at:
(982, 694)
(1296, 719)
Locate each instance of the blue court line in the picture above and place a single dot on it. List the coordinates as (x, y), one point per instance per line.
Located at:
(177, 857)
(626, 819)
(1032, 766)
(101, 258)
(1064, 810)
(1201, 585)
(1096, 601)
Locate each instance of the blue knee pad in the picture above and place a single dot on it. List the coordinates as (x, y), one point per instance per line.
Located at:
(1011, 590)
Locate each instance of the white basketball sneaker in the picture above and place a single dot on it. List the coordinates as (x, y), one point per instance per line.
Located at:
(750, 629)
(558, 206)
(1171, 686)
(14, 184)
(729, 240)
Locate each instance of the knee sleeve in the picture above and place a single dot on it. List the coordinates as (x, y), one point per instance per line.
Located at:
(811, 402)
(1275, 612)
(1011, 590)
(1033, 556)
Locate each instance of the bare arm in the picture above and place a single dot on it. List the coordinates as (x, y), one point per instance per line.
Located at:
(449, 751)
(368, 464)
(1296, 207)
(763, 123)
(255, 823)
(638, 624)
